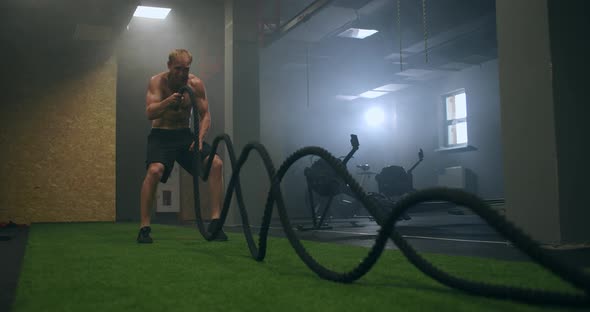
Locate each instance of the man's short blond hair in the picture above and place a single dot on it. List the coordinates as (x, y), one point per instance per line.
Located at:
(174, 54)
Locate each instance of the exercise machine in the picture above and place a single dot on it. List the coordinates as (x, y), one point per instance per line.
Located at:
(323, 180)
(394, 182)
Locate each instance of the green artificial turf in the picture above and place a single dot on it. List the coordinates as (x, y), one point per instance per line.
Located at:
(99, 267)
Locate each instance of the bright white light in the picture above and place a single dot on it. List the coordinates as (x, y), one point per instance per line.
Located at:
(151, 12)
(375, 116)
(372, 94)
(346, 97)
(358, 33)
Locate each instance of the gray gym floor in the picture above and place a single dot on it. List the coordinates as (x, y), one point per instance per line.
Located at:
(439, 231)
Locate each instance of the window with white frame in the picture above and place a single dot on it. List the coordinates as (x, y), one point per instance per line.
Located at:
(456, 118)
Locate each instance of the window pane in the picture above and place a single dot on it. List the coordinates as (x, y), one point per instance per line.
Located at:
(456, 106)
(451, 135)
(450, 107)
(461, 133)
(460, 106)
(457, 133)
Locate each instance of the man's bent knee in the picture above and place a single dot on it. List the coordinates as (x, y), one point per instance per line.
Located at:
(217, 162)
(155, 171)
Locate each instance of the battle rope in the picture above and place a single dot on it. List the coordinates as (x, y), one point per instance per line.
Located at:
(573, 275)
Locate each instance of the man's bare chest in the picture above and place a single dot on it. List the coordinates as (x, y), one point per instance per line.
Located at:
(184, 104)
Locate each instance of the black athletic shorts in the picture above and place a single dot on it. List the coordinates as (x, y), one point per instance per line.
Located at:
(168, 145)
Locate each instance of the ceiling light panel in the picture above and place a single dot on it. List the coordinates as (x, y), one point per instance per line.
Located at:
(357, 33)
(151, 12)
(372, 94)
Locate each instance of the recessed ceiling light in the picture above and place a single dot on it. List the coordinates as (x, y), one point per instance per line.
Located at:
(346, 97)
(151, 12)
(415, 72)
(357, 33)
(372, 94)
(395, 56)
(391, 87)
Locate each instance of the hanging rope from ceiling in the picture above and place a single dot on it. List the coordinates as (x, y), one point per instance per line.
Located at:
(307, 70)
(425, 25)
(399, 31)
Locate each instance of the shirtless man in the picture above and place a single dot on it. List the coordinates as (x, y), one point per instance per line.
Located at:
(171, 138)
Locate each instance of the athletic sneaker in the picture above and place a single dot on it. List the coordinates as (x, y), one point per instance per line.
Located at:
(144, 235)
(213, 226)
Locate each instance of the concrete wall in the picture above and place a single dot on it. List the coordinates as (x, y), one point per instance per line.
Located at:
(420, 115)
(414, 120)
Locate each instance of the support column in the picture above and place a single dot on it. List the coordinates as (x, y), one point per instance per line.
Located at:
(542, 121)
(568, 27)
(242, 103)
(528, 121)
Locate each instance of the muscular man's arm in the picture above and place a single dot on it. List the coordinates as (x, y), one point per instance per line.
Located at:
(155, 106)
(203, 107)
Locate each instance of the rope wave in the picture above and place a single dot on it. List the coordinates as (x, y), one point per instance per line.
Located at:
(519, 239)
(572, 275)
